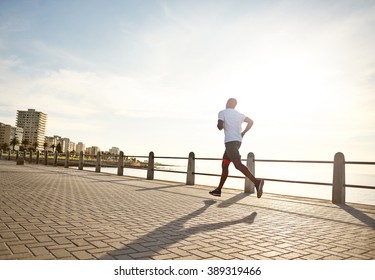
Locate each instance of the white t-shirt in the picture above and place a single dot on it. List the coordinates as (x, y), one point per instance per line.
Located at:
(232, 124)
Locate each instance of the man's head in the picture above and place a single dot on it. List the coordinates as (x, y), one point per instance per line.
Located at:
(231, 103)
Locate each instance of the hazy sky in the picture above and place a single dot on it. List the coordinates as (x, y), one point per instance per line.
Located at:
(152, 75)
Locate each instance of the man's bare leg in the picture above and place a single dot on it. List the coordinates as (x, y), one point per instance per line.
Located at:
(223, 178)
(224, 175)
(245, 171)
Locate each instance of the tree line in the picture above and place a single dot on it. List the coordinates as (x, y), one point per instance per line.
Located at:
(26, 146)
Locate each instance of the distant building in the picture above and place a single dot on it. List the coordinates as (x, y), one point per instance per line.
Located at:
(80, 147)
(92, 150)
(72, 147)
(65, 144)
(114, 151)
(8, 133)
(34, 126)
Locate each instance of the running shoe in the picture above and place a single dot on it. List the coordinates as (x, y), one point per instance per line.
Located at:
(215, 193)
(259, 188)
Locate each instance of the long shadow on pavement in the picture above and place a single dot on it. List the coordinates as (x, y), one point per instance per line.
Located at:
(161, 238)
(359, 215)
(161, 188)
(232, 200)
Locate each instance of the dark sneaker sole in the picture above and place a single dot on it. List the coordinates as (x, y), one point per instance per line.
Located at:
(215, 194)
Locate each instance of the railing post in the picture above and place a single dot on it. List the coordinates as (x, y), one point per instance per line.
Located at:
(97, 168)
(24, 155)
(37, 156)
(120, 165)
(190, 177)
(80, 163)
(338, 185)
(150, 166)
(31, 157)
(45, 157)
(250, 163)
(1, 154)
(55, 158)
(66, 159)
(17, 155)
(8, 154)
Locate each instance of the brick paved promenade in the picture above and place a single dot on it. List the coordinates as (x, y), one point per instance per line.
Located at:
(57, 213)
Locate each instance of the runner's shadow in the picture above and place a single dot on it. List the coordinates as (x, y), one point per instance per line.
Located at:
(232, 200)
(359, 215)
(161, 188)
(163, 237)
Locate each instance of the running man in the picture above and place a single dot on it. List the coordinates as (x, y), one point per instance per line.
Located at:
(231, 121)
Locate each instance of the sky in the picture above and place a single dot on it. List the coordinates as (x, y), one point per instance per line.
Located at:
(153, 75)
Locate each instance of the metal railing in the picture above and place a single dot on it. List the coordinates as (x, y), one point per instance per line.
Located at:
(338, 183)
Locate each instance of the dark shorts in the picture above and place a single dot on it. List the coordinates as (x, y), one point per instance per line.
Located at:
(232, 151)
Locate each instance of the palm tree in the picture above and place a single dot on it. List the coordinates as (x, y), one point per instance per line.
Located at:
(59, 148)
(25, 143)
(53, 146)
(14, 142)
(5, 146)
(72, 153)
(35, 145)
(45, 145)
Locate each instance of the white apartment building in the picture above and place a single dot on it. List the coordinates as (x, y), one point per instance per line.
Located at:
(114, 151)
(72, 147)
(34, 126)
(80, 147)
(65, 144)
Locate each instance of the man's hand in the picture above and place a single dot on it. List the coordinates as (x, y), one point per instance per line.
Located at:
(248, 126)
(220, 124)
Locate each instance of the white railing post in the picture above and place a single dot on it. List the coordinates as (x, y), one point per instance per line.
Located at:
(120, 165)
(98, 166)
(250, 163)
(80, 163)
(150, 166)
(338, 185)
(190, 176)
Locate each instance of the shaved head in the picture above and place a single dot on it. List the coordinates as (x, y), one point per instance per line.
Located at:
(231, 103)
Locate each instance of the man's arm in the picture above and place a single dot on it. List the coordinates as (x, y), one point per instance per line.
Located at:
(220, 124)
(248, 126)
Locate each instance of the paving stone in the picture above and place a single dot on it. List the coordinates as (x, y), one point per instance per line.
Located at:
(39, 251)
(60, 253)
(19, 249)
(271, 254)
(3, 247)
(25, 236)
(170, 256)
(83, 255)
